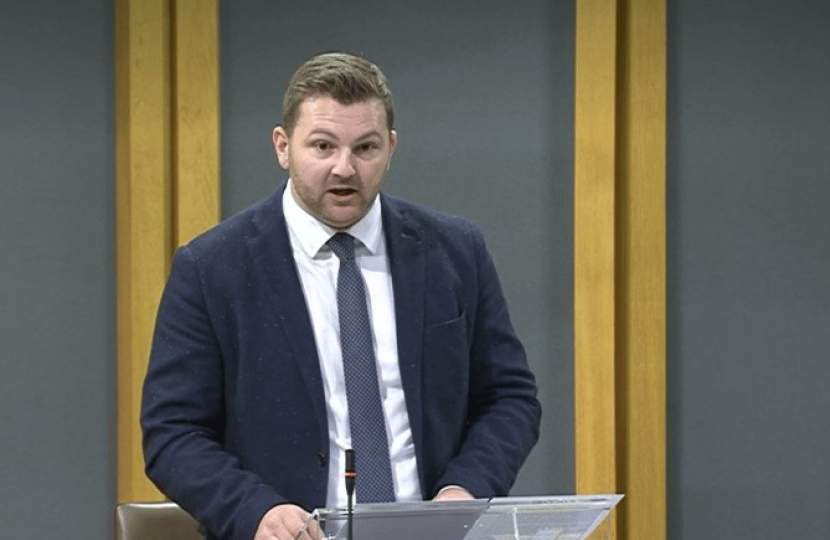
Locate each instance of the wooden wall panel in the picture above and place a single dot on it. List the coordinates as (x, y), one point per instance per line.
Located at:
(594, 246)
(166, 182)
(195, 117)
(619, 258)
(143, 211)
(641, 312)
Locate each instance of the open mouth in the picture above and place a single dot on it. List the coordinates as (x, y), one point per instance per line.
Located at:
(342, 192)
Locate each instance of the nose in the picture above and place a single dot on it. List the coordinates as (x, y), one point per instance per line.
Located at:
(344, 165)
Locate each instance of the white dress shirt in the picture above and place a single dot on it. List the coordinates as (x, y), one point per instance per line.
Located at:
(318, 267)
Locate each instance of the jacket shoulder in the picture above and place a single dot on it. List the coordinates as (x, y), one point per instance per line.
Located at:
(429, 222)
(233, 233)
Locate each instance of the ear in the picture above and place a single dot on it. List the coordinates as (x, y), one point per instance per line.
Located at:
(280, 139)
(393, 141)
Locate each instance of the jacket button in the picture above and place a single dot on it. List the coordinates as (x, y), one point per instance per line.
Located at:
(321, 459)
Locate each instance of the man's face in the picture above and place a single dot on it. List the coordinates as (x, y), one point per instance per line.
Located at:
(337, 157)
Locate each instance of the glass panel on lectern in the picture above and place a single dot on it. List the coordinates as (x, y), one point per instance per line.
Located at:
(447, 520)
(543, 518)
(515, 518)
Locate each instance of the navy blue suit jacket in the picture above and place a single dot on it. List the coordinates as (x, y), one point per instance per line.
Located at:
(233, 410)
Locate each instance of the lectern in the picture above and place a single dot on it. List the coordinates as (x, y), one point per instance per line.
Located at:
(510, 518)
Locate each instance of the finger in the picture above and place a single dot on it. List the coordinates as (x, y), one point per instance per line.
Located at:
(314, 532)
(311, 528)
(295, 523)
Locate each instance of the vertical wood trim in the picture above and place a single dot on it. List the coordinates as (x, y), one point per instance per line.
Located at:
(619, 259)
(642, 266)
(143, 233)
(195, 117)
(594, 250)
(167, 176)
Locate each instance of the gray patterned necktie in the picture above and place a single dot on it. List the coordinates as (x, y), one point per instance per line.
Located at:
(368, 426)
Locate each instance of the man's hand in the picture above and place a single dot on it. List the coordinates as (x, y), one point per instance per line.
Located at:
(283, 522)
(453, 493)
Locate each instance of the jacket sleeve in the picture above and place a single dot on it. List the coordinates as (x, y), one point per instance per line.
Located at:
(504, 413)
(183, 415)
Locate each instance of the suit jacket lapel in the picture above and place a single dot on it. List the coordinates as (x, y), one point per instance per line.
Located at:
(271, 251)
(404, 244)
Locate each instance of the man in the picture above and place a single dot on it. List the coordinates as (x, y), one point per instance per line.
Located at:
(250, 400)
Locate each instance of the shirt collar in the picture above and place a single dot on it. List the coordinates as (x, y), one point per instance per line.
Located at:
(311, 234)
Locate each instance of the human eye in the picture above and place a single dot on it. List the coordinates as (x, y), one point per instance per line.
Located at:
(368, 147)
(322, 146)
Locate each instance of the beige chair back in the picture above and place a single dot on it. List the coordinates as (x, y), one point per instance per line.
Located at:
(155, 521)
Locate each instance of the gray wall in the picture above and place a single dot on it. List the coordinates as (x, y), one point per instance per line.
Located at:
(57, 269)
(484, 119)
(749, 269)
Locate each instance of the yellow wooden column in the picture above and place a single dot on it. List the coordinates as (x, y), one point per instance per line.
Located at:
(641, 267)
(594, 246)
(166, 181)
(195, 117)
(619, 259)
(143, 178)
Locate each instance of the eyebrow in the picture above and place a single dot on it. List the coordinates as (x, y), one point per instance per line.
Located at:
(330, 134)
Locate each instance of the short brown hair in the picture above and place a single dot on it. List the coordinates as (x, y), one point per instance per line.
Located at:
(345, 77)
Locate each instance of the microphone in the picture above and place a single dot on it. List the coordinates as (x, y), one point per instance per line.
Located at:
(351, 475)
(351, 478)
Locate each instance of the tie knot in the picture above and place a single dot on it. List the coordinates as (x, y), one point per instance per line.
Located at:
(342, 244)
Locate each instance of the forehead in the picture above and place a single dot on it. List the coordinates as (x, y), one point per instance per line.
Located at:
(324, 112)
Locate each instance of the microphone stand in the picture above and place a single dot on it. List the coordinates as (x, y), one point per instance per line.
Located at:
(351, 478)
